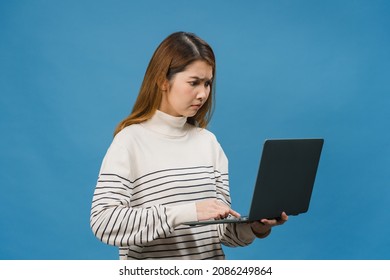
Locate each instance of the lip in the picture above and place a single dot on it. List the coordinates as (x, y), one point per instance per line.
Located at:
(195, 107)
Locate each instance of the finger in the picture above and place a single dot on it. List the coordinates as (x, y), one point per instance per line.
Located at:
(268, 222)
(284, 217)
(226, 211)
(272, 222)
(275, 222)
(234, 213)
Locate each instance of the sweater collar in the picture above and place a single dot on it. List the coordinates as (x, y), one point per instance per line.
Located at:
(167, 125)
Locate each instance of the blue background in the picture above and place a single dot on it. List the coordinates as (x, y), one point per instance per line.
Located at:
(71, 70)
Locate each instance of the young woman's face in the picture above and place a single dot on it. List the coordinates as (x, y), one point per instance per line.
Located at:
(187, 91)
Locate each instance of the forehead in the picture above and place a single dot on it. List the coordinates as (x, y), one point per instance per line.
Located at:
(199, 69)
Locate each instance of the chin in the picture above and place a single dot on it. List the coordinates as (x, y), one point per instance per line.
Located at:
(188, 115)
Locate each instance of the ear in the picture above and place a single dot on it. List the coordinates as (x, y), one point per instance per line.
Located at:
(163, 84)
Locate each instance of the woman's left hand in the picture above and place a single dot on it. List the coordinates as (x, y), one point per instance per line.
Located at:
(263, 228)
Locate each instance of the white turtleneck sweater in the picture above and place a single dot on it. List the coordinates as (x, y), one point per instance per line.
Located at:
(150, 179)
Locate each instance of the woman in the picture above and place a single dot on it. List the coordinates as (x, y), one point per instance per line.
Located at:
(164, 168)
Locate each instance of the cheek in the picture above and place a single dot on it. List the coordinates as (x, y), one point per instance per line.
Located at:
(208, 93)
(187, 92)
(180, 97)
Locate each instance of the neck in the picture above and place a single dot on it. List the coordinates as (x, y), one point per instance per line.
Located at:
(167, 125)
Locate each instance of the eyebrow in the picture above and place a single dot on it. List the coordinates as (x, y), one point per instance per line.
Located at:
(201, 79)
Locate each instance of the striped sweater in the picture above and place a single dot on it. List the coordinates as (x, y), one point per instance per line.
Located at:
(150, 179)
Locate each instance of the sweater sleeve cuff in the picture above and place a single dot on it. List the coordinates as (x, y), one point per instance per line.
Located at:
(246, 234)
(182, 213)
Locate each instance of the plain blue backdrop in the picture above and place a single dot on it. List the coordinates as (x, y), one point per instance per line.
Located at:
(71, 70)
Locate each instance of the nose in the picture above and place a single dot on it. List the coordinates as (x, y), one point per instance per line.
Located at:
(203, 94)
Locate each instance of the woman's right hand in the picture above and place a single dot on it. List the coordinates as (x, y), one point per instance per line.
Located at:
(213, 209)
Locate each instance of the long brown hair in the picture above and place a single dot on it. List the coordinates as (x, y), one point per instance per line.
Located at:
(172, 56)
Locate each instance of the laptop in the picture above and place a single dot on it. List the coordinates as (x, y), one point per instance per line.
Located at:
(285, 180)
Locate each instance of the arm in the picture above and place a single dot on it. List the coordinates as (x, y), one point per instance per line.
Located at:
(114, 221)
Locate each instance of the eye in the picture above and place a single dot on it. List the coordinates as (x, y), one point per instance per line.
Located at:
(207, 83)
(194, 83)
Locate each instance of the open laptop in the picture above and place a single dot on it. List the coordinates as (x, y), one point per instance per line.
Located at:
(285, 180)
